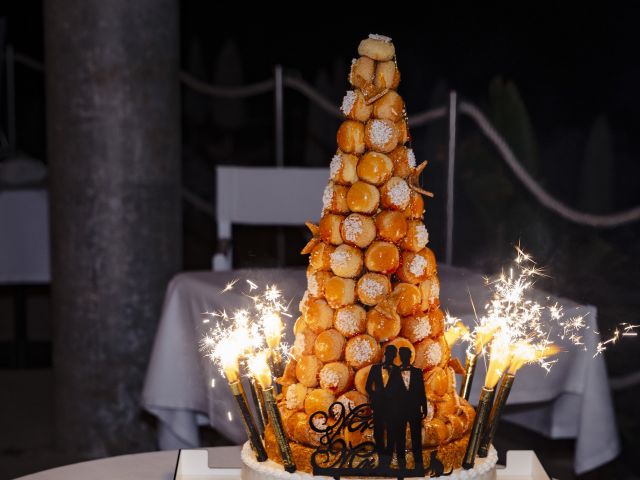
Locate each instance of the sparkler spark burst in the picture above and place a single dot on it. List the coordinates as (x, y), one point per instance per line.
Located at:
(623, 330)
(517, 327)
(515, 322)
(233, 339)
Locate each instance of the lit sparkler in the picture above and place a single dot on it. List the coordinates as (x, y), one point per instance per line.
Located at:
(260, 370)
(235, 338)
(225, 350)
(499, 357)
(520, 354)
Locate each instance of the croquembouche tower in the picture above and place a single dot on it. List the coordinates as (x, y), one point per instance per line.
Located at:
(372, 280)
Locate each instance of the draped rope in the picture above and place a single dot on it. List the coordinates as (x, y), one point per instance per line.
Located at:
(227, 92)
(541, 195)
(600, 221)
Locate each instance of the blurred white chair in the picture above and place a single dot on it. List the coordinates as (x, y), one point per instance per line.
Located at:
(24, 258)
(24, 237)
(275, 196)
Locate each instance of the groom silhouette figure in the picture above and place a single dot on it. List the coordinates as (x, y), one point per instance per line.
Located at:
(381, 403)
(406, 392)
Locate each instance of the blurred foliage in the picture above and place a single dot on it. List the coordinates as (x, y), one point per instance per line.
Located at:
(596, 177)
(506, 212)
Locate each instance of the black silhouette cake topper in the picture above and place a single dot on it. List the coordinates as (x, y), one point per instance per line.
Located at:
(371, 439)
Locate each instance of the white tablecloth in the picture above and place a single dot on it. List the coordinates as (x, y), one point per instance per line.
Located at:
(141, 466)
(572, 401)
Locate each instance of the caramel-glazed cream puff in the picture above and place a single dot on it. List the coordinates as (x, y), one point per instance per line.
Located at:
(358, 230)
(303, 344)
(380, 135)
(352, 399)
(436, 320)
(342, 169)
(362, 350)
(382, 257)
(330, 228)
(403, 131)
(318, 315)
(334, 198)
(350, 320)
(404, 161)
(339, 292)
(382, 327)
(355, 107)
(363, 198)
(350, 137)
(432, 353)
(416, 327)
(387, 76)
(395, 194)
(307, 370)
(362, 72)
(377, 47)
(294, 398)
(375, 168)
(436, 382)
(318, 400)
(360, 379)
(417, 267)
(415, 209)
(417, 236)
(346, 261)
(329, 346)
(388, 107)
(335, 377)
(391, 225)
(315, 282)
(372, 288)
(320, 258)
(430, 290)
(408, 298)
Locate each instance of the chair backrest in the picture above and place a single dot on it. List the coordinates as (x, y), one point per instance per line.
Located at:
(24, 236)
(265, 196)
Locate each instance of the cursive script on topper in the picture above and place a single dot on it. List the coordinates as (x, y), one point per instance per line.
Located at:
(337, 456)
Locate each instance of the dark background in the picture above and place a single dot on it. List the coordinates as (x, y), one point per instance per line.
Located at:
(562, 88)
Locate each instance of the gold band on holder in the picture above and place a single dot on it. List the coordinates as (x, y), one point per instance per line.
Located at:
(482, 412)
(469, 372)
(276, 421)
(247, 420)
(496, 410)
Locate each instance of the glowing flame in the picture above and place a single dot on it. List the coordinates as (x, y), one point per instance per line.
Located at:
(483, 335)
(272, 327)
(499, 357)
(523, 353)
(455, 332)
(237, 336)
(259, 368)
(226, 353)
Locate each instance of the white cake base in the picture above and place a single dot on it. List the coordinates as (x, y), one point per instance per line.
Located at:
(484, 469)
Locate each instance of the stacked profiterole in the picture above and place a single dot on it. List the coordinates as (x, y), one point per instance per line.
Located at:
(371, 281)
